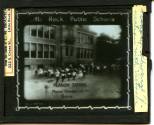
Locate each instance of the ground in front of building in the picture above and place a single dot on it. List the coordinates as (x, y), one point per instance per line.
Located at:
(106, 85)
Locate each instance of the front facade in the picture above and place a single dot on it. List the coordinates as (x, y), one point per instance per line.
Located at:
(55, 45)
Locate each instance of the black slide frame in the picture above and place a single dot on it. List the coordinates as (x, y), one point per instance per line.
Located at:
(84, 117)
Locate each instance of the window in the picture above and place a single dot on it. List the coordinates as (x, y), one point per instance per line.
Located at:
(40, 51)
(40, 31)
(81, 53)
(82, 38)
(71, 51)
(52, 51)
(46, 51)
(46, 32)
(52, 33)
(88, 53)
(91, 40)
(91, 54)
(78, 37)
(71, 31)
(67, 51)
(86, 38)
(26, 50)
(33, 50)
(33, 31)
(85, 52)
(78, 53)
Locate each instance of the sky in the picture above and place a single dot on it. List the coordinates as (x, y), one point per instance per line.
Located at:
(112, 31)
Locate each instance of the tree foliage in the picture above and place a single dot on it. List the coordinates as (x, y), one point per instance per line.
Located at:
(106, 50)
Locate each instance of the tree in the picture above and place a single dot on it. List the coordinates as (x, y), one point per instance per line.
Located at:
(106, 50)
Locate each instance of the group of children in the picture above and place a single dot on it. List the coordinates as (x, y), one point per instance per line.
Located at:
(69, 73)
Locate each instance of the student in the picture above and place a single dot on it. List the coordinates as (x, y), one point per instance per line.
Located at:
(36, 72)
(69, 75)
(80, 74)
(84, 72)
(57, 74)
(92, 67)
(98, 69)
(74, 74)
(63, 75)
(51, 72)
(40, 72)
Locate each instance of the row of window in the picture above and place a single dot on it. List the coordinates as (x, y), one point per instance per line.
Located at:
(43, 31)
(84, 53)
(36, 50)
(33, 50)
(49, 32)
(69, 50)
(80, 52)
(84, 38)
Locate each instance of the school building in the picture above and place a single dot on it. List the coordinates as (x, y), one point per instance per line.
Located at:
(56, 45)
